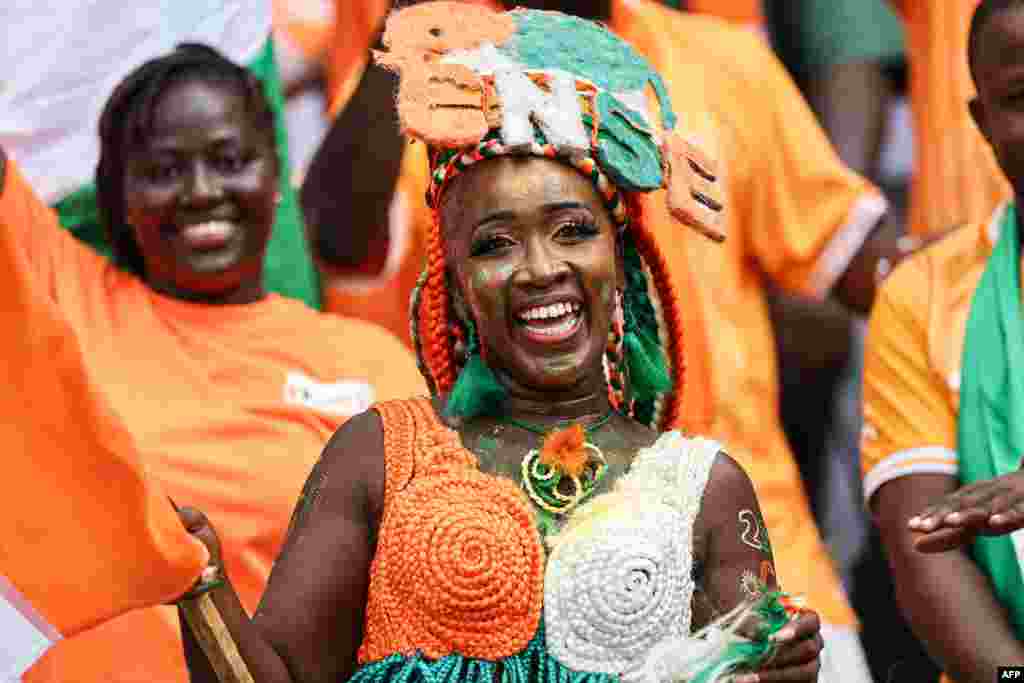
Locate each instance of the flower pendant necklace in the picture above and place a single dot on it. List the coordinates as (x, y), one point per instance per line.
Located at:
(566, 469)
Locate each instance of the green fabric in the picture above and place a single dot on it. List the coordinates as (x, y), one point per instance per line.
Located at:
(990, 430)
(626, 150)
(834, 32)
(289, 269)
(547, 41)
(532, 665)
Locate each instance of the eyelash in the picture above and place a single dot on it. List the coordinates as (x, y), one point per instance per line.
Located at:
(578, 230)
(581, 229)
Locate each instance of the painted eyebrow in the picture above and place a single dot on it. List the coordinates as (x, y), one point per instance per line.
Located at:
(547, 208)
(220, 139)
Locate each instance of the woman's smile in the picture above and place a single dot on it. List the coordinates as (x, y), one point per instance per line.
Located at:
(551, 323)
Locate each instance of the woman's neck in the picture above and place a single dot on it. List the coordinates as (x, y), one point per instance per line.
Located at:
(544, 413)
(245, 294)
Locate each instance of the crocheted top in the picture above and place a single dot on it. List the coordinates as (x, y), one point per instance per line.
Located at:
(459, 581)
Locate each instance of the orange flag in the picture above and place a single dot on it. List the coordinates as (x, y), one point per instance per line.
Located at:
(85, 534)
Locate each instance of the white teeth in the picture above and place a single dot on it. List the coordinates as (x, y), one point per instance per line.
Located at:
(551, 311)
(554, 330)
(209, 229)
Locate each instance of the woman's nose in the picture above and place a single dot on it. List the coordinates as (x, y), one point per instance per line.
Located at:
(203, 185)
(542, 267)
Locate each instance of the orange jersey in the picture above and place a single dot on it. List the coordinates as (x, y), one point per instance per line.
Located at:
(227, 406)
(795, 215)
(956, 178)
(913, 357)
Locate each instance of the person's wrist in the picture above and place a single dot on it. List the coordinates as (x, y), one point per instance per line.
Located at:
(211, 578)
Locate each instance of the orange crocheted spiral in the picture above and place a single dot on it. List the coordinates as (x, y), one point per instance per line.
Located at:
(464, 568)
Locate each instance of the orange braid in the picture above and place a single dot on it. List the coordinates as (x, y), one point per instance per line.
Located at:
(437, 346)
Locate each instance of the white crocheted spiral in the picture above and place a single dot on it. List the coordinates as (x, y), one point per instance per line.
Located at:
(615, 586)
(618, 580)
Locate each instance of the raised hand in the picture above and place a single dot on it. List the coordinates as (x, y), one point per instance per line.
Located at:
(987, 508)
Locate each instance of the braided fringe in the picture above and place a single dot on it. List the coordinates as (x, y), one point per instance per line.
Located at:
(671, 309)
(438, 349)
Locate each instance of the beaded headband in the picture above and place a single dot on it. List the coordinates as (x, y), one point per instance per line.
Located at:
(476, 84)
(449, 163)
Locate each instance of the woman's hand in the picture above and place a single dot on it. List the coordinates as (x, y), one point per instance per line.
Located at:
(797, 657)
(987, 508)
(198, 525)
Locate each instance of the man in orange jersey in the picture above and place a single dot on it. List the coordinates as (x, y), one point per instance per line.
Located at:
(943, 400)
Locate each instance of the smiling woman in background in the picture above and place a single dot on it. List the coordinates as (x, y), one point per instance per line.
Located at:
(228, 391)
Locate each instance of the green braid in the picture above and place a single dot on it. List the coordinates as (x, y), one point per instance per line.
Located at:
(477, 390)
(648, 375)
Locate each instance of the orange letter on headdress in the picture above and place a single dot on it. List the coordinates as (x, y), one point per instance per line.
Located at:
(440, 103)
(695, 194)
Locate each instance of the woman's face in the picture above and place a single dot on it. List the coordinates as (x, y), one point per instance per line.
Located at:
(200, 194)
(535, 260)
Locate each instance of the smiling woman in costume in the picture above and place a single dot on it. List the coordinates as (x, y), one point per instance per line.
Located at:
(228, 392)
(530, 521)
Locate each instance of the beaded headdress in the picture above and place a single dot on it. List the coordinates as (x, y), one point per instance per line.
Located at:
(477, 83)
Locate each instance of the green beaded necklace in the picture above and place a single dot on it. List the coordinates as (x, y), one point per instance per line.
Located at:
(583, 465)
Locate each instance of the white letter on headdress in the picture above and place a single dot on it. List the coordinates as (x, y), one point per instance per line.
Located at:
(558, 114)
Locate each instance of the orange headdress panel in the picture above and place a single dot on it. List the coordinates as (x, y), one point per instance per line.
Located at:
(476, 83)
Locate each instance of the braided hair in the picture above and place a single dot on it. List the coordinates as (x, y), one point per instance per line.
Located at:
(127, 120)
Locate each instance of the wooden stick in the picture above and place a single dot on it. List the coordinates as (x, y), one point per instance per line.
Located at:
(209, 628)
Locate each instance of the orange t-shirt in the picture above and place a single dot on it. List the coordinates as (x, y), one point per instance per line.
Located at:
(796, 215)
(956, 177)
(229, 408)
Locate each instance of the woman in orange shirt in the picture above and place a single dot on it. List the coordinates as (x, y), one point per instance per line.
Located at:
(228, 392)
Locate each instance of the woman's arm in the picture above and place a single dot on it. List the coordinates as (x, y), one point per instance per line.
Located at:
(946, 598)
(308, 626)
(346, 196)
(738, 565)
